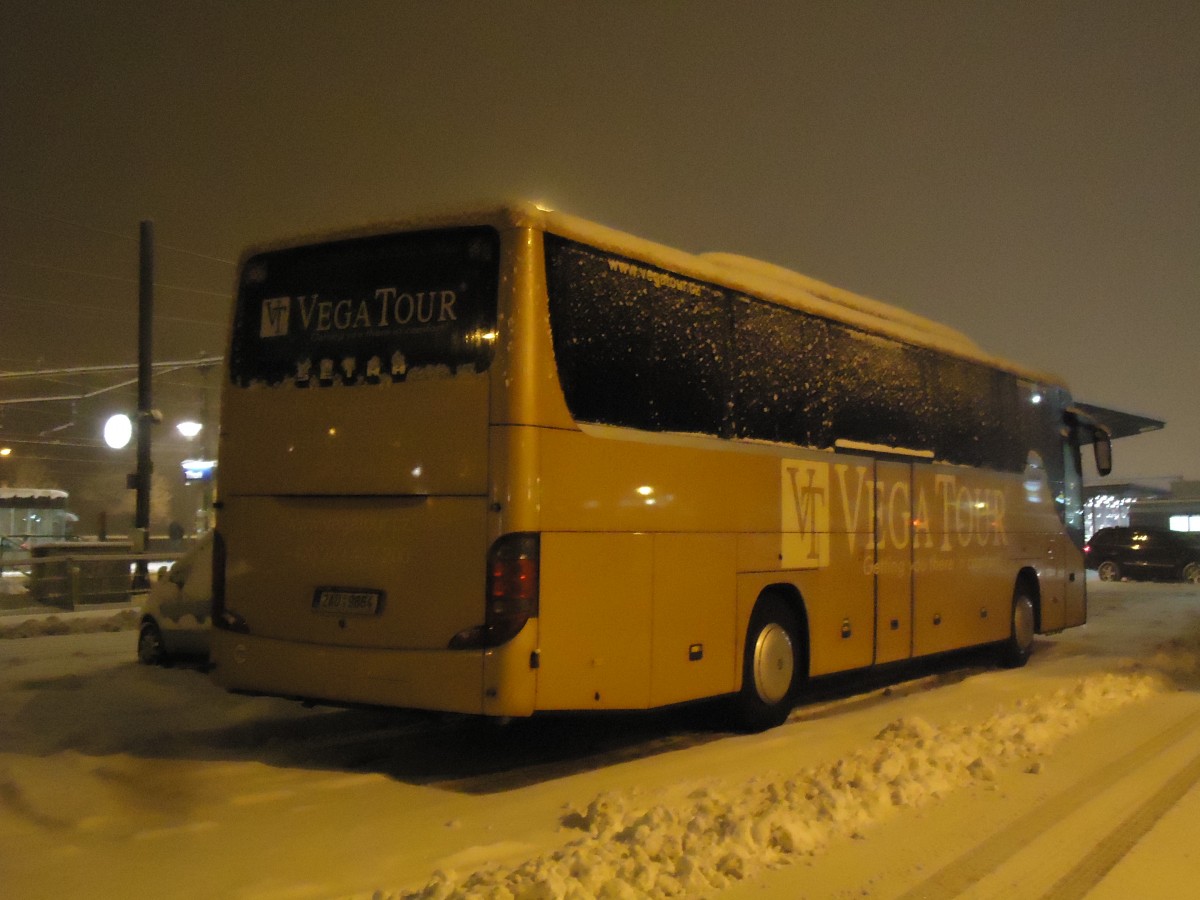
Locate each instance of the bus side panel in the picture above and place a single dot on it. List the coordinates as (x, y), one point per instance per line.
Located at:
(1061, 577)
(1053, 580)
(963, 558)
(827, 533)
(893, 561)
(840, 602)
(693, 640)
(610, 484)
(594, 621)
(1075, 594)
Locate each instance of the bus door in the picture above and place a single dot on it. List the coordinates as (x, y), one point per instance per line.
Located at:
(893, 555)
(1071, 557)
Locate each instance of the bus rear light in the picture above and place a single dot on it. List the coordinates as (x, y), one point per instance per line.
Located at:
(512, 580)
(512, 593)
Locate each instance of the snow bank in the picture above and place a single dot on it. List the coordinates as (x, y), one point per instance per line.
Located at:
(706, 836)
(41, 625)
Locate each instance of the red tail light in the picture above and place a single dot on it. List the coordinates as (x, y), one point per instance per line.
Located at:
(512, 592)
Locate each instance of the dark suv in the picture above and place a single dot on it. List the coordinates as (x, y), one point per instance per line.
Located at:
(1117, 553)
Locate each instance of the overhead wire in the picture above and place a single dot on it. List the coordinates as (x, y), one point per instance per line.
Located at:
(42, 424)
(123, 279)
(101, 310)
(110, 233)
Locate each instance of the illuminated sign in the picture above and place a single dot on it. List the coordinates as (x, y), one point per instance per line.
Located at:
(198, 469)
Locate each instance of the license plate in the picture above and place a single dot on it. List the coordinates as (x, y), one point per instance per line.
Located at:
(347, 601)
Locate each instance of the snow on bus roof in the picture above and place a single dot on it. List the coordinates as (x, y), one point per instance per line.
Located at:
(784, 286)
(839, 295)
(761, 279)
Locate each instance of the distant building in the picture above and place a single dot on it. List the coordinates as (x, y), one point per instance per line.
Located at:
(1150, 503)
(1177, 509)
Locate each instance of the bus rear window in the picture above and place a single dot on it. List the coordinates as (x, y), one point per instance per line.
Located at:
(367, 310)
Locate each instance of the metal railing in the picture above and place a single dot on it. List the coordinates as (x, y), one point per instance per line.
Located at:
(76, 575)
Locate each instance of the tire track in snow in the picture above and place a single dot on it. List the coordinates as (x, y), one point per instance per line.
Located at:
(1099, 862)
(957, 877)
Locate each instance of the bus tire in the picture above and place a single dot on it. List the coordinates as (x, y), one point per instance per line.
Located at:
(150, 648)
(1016, 649)
(772, 666)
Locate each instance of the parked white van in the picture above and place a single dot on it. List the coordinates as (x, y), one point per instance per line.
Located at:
(177, 614)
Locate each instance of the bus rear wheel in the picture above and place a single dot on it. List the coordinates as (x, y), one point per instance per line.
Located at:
(150, 648)
(772, 669)
(1015, 651)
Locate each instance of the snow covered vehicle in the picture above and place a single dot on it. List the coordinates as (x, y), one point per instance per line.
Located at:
(177, 614)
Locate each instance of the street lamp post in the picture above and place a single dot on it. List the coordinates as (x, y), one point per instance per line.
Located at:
(146, 414)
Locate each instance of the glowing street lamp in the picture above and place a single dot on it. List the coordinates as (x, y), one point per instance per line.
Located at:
(118, 431)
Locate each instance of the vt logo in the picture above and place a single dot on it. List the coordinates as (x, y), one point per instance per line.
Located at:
(804, 514)
(275, 317)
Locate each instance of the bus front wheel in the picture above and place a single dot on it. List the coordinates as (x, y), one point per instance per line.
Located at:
(1015, 651)
(772, 668)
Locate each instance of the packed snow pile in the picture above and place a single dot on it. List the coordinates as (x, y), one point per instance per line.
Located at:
(39, 626)
(707, 836)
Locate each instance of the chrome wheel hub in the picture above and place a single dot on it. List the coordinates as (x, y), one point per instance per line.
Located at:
(774, 663)
(1023, 622)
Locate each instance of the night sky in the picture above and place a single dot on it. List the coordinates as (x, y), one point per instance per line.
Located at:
(1028, 172)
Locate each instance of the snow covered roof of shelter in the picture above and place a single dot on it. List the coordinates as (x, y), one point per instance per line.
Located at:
(7, 493)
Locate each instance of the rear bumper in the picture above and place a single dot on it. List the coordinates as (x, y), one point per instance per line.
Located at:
(450, 681)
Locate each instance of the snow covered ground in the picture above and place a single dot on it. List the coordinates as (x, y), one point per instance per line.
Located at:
(1074, 776)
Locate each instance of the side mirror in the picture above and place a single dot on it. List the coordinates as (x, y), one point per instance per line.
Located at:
(1103, 451)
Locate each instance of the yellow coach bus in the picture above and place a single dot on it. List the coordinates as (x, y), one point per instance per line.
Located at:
(515, 462)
